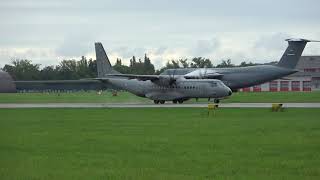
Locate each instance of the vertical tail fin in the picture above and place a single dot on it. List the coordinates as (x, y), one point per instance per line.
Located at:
(293, 53)
(103, 64)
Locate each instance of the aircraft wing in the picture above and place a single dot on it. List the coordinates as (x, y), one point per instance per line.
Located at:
(134, 76)
(44, 85)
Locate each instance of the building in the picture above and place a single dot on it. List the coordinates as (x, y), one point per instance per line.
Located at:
(307, 79)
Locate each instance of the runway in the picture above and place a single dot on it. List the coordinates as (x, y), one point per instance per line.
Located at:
(137, 105)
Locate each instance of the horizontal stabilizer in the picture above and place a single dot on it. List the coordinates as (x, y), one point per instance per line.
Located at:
(300, 40)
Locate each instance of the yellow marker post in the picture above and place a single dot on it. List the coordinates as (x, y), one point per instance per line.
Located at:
(212, 107)
(276, 107)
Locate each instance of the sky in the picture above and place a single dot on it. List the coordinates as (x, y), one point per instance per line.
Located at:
(47, 31)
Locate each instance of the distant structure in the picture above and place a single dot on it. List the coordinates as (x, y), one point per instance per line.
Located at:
(307, 79)
(7, 85)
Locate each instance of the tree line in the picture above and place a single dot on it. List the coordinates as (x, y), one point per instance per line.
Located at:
(24, 69)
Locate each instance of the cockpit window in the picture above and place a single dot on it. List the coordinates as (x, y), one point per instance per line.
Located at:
(221, 83)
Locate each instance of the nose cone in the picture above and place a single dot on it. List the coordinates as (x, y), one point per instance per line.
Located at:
(228, 91)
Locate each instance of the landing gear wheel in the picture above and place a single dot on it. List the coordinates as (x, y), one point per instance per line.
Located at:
(216, 101)
(180, 101)
(156, 101)
(174, 101)
(162, 101)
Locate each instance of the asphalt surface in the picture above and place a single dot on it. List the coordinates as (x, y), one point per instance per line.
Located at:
(135, 105)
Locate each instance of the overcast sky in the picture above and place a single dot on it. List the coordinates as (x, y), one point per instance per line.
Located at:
(47, 31)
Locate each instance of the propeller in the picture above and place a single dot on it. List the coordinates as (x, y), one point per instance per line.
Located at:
(172, 79)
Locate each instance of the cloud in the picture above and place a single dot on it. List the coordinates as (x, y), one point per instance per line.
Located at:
(43, 56)
(205, 47)
(271, 41)
(76, 43)
(246, 29)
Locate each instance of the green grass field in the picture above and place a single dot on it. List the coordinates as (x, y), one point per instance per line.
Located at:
(106, 97)
(159, 143)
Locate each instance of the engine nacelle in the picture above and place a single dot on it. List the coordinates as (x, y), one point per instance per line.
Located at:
(203, 74)
(165, 80)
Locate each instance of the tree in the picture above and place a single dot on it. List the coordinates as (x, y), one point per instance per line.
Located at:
(141, 67)
(199, 62)
(68, 69)
(244, 64)
(184, 63)
(92, 68)
(49, 73)
(173, 64)
(148, 67)
(225, 63)
(120, 67)
(82, 68)
(23, 69)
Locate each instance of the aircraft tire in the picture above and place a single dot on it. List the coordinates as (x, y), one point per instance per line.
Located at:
(216, 101)
(162, 101)
(174, 101)
(156, 101)
(180, 101)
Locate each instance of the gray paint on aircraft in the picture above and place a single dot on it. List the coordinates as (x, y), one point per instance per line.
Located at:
(183, 84)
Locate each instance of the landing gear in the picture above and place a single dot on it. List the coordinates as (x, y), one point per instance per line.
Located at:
(162, 101)
(180, 101)
(216, 101)
(174, 101)
(156, 101)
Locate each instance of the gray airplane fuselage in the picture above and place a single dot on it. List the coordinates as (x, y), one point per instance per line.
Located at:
(240, 77)
(183, 89)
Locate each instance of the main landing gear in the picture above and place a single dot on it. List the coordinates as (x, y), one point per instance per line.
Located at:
(163, 101)
(159, 101)
(177, 101)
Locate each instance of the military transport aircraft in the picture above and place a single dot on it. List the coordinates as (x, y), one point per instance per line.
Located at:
(178, 85)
